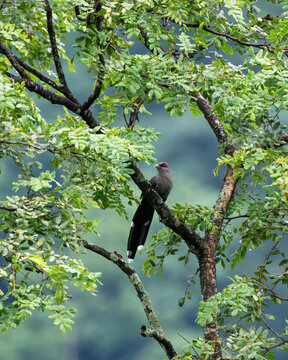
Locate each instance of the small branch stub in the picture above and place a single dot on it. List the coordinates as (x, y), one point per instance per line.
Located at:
(166, 344)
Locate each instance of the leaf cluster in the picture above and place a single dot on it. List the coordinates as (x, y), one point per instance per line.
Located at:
(50, 213)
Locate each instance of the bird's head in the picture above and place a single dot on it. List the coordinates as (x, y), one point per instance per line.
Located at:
(161, 165)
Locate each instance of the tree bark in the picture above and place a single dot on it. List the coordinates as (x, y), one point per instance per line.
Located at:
(208, 285)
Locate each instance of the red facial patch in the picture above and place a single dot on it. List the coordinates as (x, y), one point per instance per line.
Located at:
(163, 164)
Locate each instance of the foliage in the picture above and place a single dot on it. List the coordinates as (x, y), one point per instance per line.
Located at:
(81, 160)
(50, 212)
(244, 299)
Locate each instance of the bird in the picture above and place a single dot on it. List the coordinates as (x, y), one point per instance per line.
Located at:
(143, 216)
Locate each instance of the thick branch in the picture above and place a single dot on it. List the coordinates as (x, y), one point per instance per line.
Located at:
(207, 260)
(95, 94)
(224, 198)
(69, 100)
(192, 239)
(229, 182)
(39, 75)
(214, 123)
(140, 290)
(87, 115)
(72, 105)
(97, 20)
(11, 57)
(53, 42)
(19, 65)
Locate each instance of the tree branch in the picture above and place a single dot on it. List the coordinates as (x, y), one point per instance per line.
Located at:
(46, 94)
(86, 115)
(166, 344)
(146, 39)
(192, 239)
(270, 328)
(274, 346)
(95, 94)
(7, 208)
(141, 293)
(227, 36)
(22, 65)
(224, 198)
(97, 20)
(207, 260)
(214, 123)
(2, 5)
(53, 43)
(236, 217)
(229, 182)
(11, 57)
(265, 288)
(31, 85)
(23, 143)
(134, 113)
(39, 75)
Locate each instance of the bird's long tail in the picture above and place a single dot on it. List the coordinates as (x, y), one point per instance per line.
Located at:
(139, 228)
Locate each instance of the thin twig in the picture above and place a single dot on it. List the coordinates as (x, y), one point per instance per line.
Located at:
(274, 346)
(271, 329)
(265, 288)
(188, 343)
(235, 217)
(46, 148)
(230, 37)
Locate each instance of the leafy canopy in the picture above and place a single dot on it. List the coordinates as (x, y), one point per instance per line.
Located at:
(143, 52)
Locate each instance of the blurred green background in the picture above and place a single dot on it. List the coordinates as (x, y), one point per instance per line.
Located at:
(108, 326)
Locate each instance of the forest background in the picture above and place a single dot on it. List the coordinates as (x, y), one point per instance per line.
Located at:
(105, 325)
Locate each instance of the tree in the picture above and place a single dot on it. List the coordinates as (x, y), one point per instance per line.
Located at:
(188, 63)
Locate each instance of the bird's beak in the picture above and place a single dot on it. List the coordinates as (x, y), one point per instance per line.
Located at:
(156, 165)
